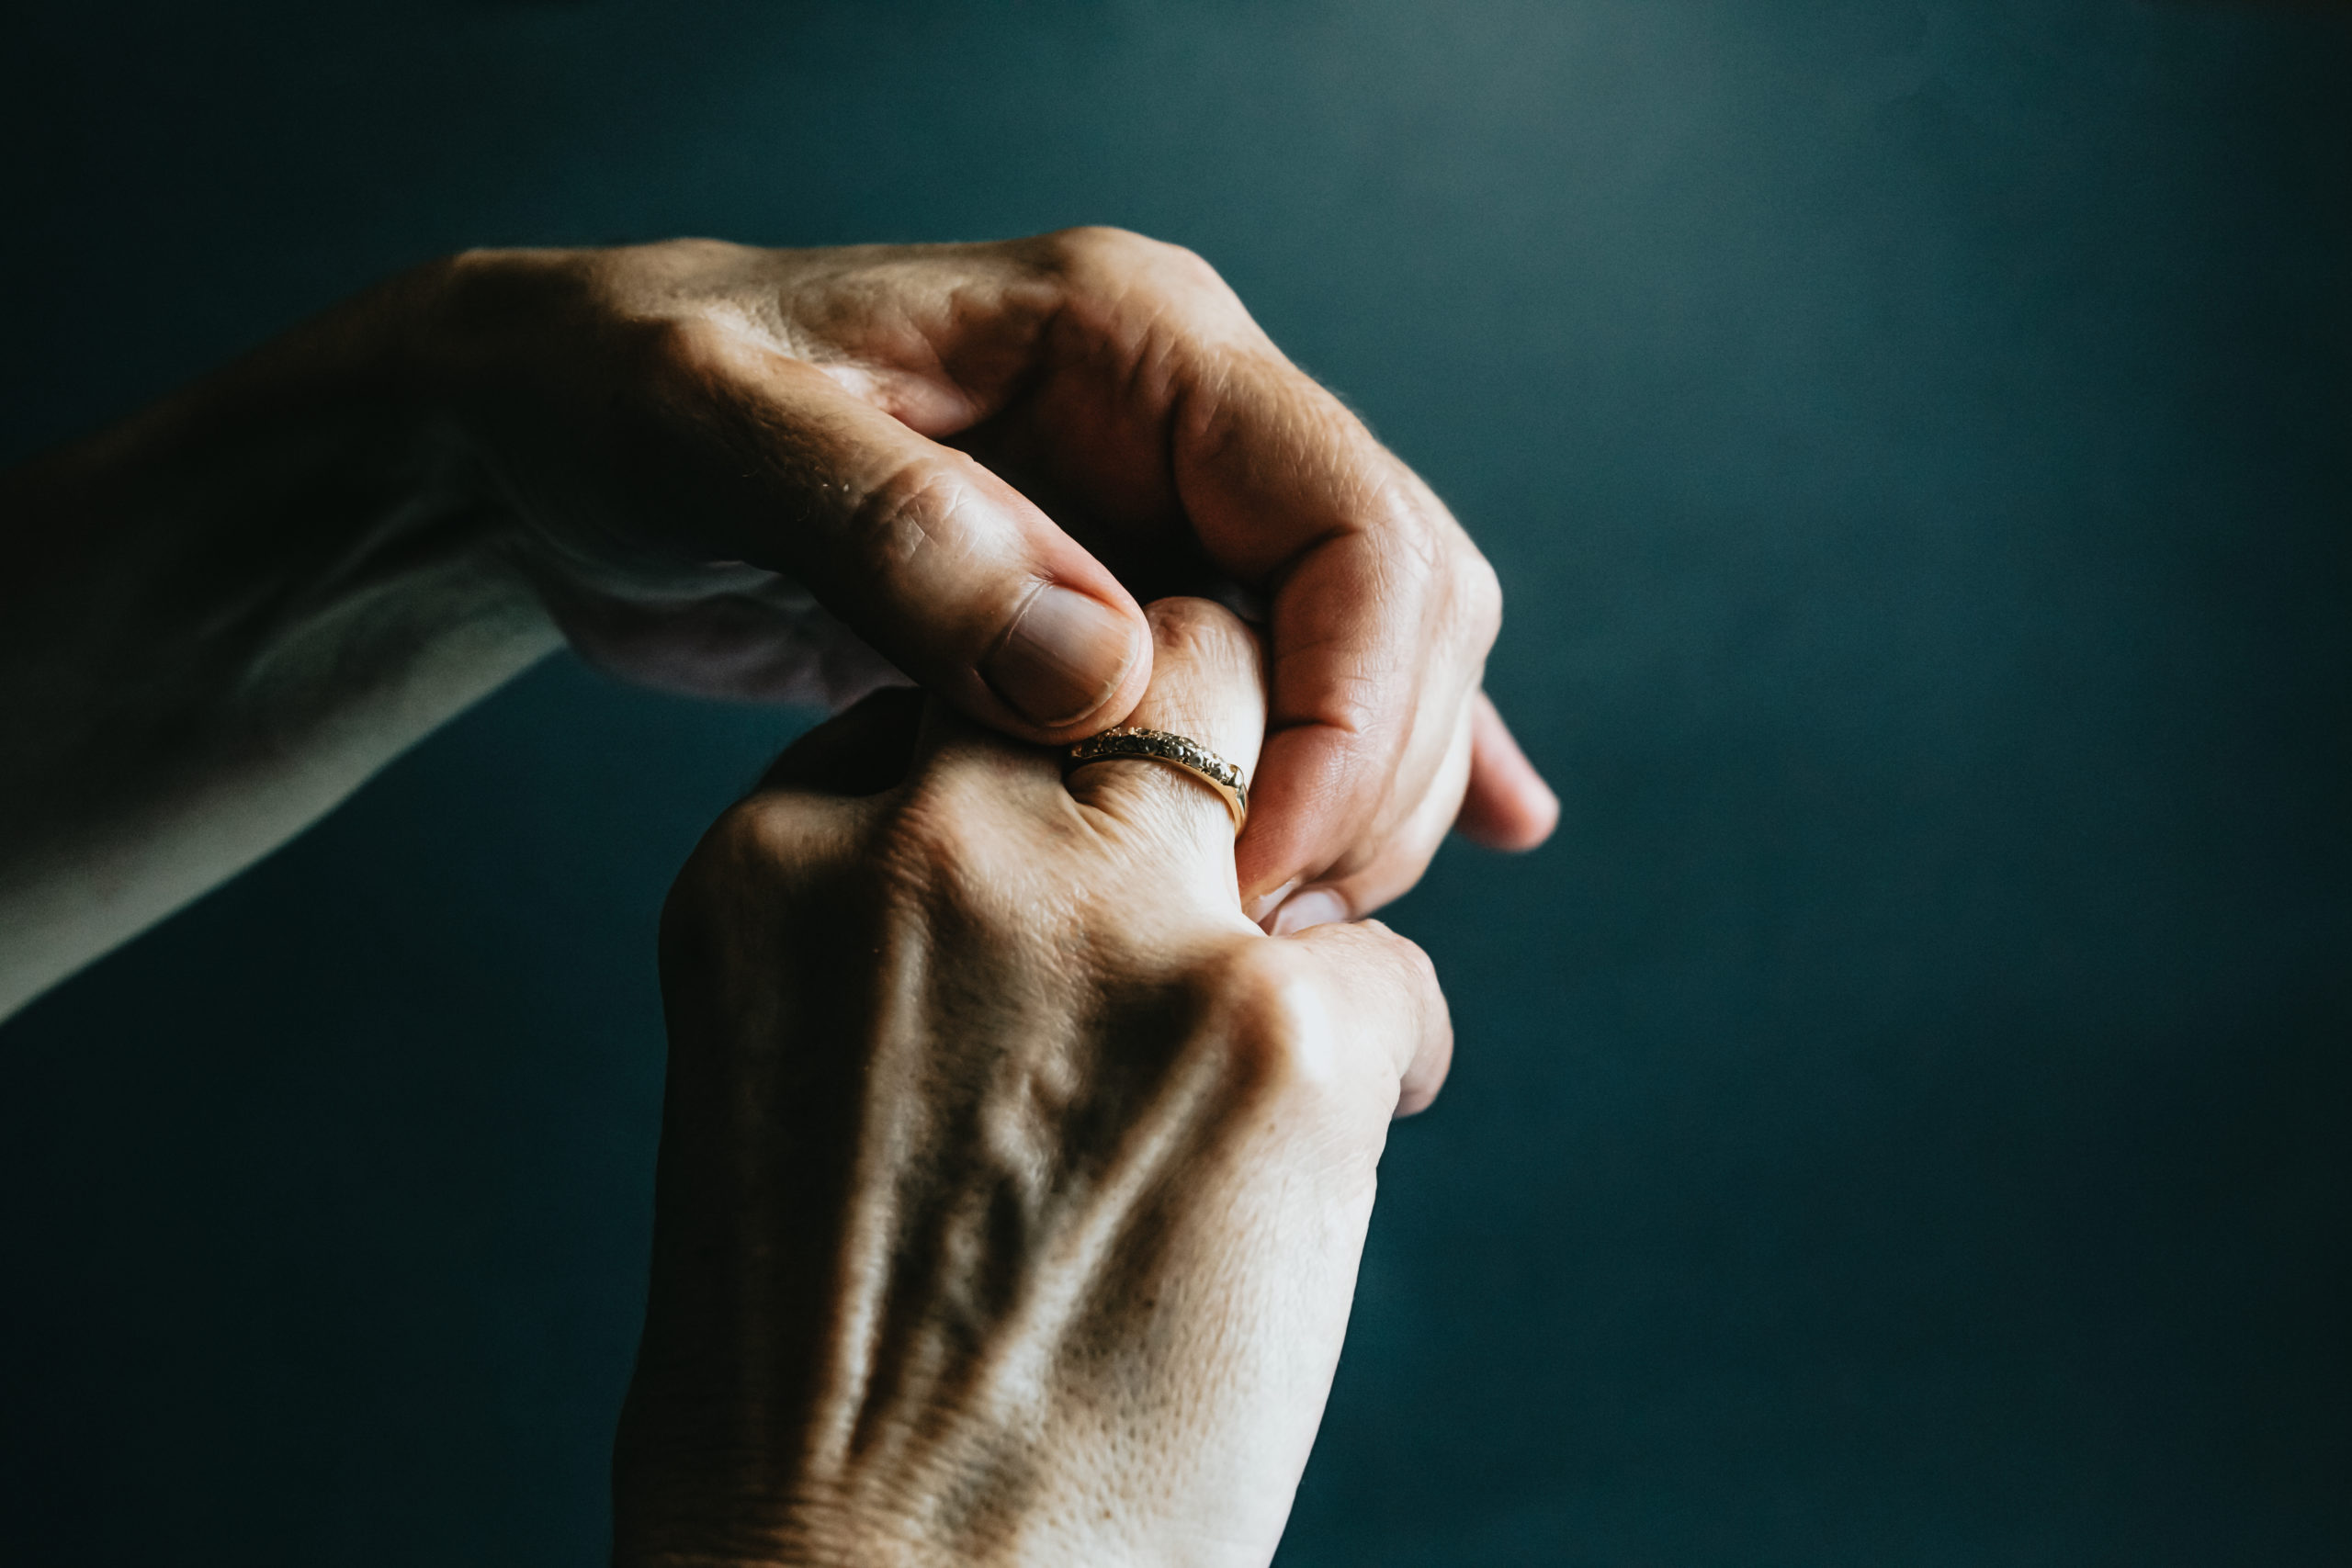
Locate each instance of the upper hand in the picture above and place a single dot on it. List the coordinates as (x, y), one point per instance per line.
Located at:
(970, 454)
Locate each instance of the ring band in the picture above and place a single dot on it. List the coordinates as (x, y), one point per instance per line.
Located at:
(1177, 750)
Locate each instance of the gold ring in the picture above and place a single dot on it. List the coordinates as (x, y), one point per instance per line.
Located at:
(1177, 750)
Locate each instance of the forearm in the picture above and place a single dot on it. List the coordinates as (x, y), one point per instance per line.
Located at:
(220, 618)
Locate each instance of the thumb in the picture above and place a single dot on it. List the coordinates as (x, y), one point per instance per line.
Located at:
(943, 568)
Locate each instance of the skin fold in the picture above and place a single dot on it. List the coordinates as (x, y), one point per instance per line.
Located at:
(1012, 1181)
(768, 474)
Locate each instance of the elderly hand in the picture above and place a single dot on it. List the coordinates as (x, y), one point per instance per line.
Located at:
(221, 615)
(964, 451)
(1012, 1182)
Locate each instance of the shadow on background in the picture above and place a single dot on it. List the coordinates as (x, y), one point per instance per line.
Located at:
(1902, 1120)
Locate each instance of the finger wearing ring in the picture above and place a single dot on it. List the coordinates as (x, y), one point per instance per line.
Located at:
(1177, 750)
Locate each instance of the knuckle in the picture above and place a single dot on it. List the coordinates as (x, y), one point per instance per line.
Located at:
(1270, 1028)
(937, 842)
(1478, 593)
(1461, 588)
(1179, 264)
(947, 858)
(747, 858)
(1120, 261)
(899, 521)
(1097, 247)
(754, 836)
(685, 254)
(665, 277)
(1192, 629)
(1429, 546)
(1417, 970)
(662, 348)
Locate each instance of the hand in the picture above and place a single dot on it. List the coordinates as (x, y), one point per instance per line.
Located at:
(1012, 1182)
(964, 451)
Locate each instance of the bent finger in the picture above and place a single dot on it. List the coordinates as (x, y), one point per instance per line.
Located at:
(1381, 611)
(1508, 806)
(1398, 860)
(1386, 994)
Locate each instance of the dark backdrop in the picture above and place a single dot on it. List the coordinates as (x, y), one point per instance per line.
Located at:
(1902, 1120)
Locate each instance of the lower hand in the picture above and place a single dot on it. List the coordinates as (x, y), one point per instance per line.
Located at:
(1012, 1182)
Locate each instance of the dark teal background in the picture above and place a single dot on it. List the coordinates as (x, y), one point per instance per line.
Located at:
(1901, 1122)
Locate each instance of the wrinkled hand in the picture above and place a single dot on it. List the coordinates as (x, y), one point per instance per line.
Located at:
(963, 452)
(1012, 1182)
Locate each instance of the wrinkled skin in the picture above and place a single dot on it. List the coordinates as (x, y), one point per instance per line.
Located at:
(1012, 1182)
(934, 440)
(764, 474)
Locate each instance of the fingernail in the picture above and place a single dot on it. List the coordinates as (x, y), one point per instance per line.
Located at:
(1262, 908)
(1064, 655)
(1316, 906)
